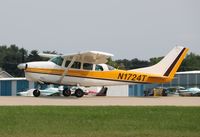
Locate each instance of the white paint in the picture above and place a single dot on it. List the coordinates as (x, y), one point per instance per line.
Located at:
(118, 90)
(4, 79)
(13, 88)
(71, 80)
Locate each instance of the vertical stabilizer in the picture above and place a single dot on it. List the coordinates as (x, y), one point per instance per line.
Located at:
(168, 65)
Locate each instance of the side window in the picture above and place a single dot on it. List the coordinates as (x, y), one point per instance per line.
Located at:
(76, 65)
(67, 63)
(98, 68)
(87, 66)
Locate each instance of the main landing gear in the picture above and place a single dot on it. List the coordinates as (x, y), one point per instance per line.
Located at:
(67, 92)
(78, 92)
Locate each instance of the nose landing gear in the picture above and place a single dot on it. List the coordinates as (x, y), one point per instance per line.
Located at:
(36, 93)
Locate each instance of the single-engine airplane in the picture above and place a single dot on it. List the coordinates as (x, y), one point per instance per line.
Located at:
(89, 69)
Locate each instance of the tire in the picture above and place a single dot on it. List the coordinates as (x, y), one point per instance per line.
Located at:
(36, 93)
(66, 92)
(79, 93)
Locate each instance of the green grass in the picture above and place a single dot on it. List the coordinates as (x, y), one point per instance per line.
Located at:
(49, 121)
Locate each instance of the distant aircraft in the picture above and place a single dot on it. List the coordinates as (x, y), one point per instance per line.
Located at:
(89, 69)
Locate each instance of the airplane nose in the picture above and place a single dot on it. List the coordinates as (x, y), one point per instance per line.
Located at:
(22, 66)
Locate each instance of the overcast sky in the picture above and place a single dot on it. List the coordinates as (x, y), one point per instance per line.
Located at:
(127, 28)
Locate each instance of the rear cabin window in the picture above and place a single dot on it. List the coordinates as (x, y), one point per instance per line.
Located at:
(98, 68)
(87, 66)
(76, 65)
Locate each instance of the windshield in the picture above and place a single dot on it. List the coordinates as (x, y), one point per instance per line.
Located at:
(57, 60)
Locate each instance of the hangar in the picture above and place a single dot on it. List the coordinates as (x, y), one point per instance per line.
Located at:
(185, 79)
(10, 86)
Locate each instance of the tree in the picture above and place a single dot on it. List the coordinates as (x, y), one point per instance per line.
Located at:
(155, 60)
(13, 56)
(33, 56)
(3, 52)
(112, 63)
(191, 62)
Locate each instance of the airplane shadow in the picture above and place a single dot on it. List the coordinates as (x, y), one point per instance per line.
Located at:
(58, 97)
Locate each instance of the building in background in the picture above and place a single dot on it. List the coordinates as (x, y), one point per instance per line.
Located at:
(10, 86)
(185, 79)
(4, 74)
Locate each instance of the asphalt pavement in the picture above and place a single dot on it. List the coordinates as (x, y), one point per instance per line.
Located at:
(99, 101)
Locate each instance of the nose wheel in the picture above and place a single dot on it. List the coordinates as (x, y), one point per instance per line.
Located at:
(36, 93)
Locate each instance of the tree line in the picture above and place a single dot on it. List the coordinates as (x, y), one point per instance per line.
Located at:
(11, 56)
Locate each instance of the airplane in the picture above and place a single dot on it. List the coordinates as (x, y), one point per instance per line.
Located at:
(89, 69)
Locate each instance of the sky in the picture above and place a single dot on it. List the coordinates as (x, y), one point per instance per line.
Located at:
(126, 28)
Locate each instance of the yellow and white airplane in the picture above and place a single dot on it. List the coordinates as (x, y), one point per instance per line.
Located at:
(89, 69)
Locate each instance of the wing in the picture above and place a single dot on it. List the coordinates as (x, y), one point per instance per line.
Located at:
(47, 55)
(94, 57)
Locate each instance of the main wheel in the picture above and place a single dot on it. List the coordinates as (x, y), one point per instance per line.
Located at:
(79, 93)
(66, 92)
(36, 93)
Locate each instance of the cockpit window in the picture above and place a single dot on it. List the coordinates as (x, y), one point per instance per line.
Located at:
(87, 66)
(57, 60)
(98, 68)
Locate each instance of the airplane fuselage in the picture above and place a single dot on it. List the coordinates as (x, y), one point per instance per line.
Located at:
(48, 72)
(84, 69)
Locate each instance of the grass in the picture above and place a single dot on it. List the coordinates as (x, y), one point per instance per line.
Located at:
(52, 121)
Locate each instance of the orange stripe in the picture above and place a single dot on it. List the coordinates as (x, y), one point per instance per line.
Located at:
(173, 72)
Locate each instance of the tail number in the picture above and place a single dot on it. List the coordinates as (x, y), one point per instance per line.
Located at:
(130, 76)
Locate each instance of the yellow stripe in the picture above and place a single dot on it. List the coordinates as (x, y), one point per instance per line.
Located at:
(171, 76)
